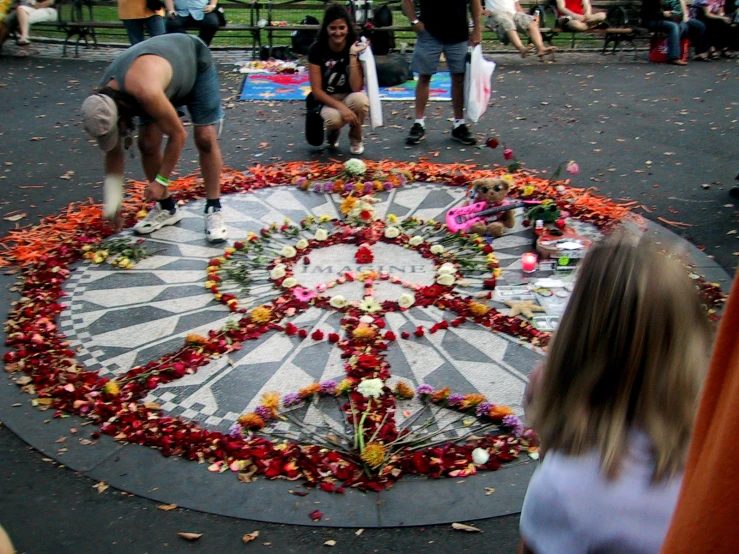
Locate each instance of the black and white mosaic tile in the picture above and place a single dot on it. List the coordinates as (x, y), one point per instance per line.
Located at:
(117, 319)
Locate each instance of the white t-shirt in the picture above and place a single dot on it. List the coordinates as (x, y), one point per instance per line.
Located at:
(501, 5)
(570, 508)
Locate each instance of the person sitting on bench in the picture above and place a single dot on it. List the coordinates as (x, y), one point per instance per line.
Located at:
(26, 14)
(577, 15)
(507, 18)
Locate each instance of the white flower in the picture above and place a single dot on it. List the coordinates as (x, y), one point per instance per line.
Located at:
(366, 319)
(445, 280)
(278, 272)
(369, 304)
(391, 232)
(355, 166)
(288, 252)
(480, 456)
(302, 244)
(321, 234)
(406, 300)
(415, 241)
(437, 249)
(290, 282)
(337, 301)
(447, 269)
(370, 388)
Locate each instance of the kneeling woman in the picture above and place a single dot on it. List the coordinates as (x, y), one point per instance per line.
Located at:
(336, 77)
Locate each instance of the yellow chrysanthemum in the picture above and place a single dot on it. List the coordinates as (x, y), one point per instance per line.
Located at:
(271, 400)
(111, 387)
(193, 338)
(344, 386)
(348, 204)
(310, 390)
(497, 272)
(364, 333)
(404, 391)
(478, 309)
(229, 250)
(261, 314)
(392, 218)
(373, 454)
(528, 190)
(508, 178)
(471, 400)
(209, 284)
(324, 219)
(251, 421)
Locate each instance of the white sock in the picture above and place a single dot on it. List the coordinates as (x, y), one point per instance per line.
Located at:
(458, 122)
(421, 122)
(112, 195)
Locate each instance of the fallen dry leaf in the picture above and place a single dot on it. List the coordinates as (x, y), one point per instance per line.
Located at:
(246, 539)
(190, 536)
(298, 493)
(359, 532)
(23, 380)
(463, 527)
(489, 491)
(15, 217)
(167, 507)
(329, 543)
(101, 487)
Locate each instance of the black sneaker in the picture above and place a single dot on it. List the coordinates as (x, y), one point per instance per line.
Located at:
(417, 134)
(332, 139)
(462, 134)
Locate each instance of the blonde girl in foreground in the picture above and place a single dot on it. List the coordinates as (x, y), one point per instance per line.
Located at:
(615, 405)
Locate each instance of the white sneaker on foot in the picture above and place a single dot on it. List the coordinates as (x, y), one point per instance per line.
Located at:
(215, 228)
(156, 219)
(357, 148)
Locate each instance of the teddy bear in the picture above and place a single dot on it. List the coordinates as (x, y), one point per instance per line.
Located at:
(493, 192)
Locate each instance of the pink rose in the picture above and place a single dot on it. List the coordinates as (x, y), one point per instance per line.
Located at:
(572, 168)
(508, 154)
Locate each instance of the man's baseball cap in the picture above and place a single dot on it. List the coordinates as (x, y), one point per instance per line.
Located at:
(100, 118)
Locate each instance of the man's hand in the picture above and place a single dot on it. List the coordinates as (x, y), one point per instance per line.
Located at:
(209, 8)
(475, 37)
(154, 191)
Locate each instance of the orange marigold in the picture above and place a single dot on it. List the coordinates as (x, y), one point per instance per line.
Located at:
(348, 204)
(471, 400)
(251, 421)
(310, 390)
(373, 454)
(477, 309)
(404, 391)
(261, 314)
(499, 412)
(441, 394)
(364, 333)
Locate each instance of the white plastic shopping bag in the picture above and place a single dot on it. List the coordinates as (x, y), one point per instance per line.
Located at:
(373, 88)
(477, 84)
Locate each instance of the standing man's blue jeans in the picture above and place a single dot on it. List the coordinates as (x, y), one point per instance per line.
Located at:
(135, 28)
(693, 29)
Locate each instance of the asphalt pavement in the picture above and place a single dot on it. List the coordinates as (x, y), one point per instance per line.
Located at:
(664, 136)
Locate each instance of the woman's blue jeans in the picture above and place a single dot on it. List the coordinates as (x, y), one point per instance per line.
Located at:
(693, 29)
(154, 25)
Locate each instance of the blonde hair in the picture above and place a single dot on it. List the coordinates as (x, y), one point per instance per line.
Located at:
(630, 352)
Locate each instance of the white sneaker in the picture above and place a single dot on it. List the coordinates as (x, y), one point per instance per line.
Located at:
(215, 228)
(357, 148)
(156, 219)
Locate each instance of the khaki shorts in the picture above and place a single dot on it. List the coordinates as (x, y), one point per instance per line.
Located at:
(502, 22)
(41, 15)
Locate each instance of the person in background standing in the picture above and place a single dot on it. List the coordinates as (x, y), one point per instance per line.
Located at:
(442, 26)
(193, 14)
(137, 18)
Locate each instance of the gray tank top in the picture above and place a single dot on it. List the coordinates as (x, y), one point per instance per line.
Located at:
(187, 54)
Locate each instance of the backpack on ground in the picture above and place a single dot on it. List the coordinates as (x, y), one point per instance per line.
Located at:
(302, 39)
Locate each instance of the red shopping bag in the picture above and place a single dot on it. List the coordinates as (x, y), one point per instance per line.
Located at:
(658, 49)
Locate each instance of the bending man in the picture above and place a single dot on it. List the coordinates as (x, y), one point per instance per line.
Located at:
(150, 80)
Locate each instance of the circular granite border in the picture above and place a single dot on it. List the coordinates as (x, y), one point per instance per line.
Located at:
(412, 501)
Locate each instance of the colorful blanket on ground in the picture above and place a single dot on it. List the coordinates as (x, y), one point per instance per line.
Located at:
(296, 86)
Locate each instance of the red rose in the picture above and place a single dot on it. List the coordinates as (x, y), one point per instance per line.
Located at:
(302, 333)
(389, 336)
(333, 337)
(492, 142)
(405, 335)
(489, 284)
(317, 335)
(419, 332)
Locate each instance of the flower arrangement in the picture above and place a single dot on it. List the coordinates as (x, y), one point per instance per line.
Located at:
(39, 352)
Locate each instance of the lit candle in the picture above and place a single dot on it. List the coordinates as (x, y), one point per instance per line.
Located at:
(528, 262)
